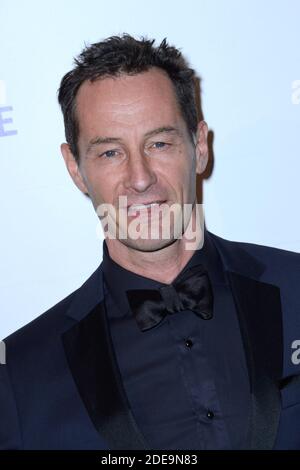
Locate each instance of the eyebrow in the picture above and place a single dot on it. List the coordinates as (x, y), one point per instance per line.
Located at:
(160, 130)
(109, 140)
(101, 140)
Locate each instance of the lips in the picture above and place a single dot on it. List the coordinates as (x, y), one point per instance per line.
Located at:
(134, 208)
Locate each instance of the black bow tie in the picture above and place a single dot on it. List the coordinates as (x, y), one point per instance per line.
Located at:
(190, 291)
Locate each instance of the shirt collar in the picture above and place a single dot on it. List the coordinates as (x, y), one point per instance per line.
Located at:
(118, 279)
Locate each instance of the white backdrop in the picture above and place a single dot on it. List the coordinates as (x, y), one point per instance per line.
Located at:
(248, 56)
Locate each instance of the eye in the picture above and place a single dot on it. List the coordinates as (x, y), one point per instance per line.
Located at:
(160, 145)
(108, 153)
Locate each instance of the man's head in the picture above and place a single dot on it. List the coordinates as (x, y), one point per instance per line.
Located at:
(119, 55)
(131, 126)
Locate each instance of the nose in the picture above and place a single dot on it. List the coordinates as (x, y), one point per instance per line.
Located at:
(140, 176)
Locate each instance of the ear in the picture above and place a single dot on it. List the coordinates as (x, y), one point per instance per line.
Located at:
(73, 168)
(201, 147)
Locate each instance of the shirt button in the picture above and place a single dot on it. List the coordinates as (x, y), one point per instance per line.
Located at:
(210, 414)
(188, 343)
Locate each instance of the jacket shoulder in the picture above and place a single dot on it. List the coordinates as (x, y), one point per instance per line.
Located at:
(263, 253)
(54, 320)
(269, 252)
(50, 322)
(273, 265)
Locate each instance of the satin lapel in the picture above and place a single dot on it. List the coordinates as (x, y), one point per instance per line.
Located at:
(91, 358)
(260, 317)
(94, 367)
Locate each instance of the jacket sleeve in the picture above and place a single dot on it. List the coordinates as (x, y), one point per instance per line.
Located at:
(10, 438)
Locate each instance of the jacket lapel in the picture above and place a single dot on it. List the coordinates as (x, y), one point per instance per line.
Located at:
(260, 317)
(259, 312)
(91, 359)
(93, 364)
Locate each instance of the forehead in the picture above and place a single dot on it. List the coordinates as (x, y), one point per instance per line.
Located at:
(127, 100)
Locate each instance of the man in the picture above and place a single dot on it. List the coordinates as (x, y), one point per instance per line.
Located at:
(168, 345)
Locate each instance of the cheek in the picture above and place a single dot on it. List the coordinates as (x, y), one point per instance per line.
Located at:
(187, 179)
(186, 172)
(100, 186)
(179, 165)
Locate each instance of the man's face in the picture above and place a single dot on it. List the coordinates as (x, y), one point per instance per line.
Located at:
(134, 142)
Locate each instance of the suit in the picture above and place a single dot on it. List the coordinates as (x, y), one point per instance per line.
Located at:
(61, 387)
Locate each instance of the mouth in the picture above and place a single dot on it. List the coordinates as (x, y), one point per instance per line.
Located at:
(134, 208)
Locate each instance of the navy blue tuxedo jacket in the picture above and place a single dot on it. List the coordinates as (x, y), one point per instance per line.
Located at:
(61, 387)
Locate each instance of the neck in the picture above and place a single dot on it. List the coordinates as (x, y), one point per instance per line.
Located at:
(171, 259)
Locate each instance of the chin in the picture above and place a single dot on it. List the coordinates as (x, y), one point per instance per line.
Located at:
(147, 245)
